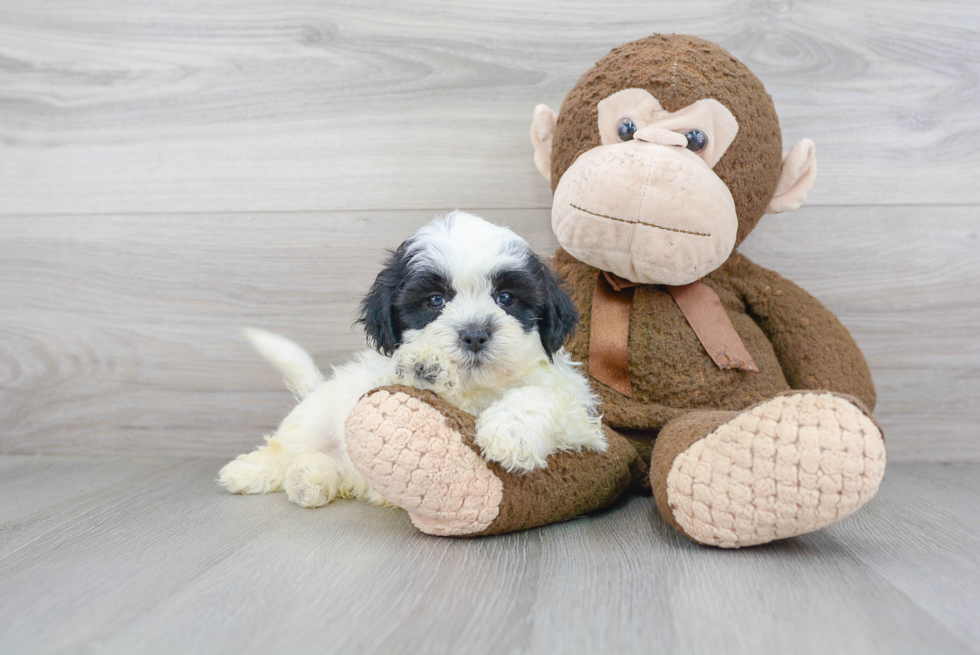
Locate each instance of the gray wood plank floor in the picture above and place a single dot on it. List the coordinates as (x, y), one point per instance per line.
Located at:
(126, 555)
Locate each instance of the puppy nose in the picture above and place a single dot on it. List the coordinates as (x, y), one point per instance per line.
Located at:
(475, 338)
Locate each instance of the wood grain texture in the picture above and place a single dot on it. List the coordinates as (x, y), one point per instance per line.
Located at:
(292, 105)
(152, 556)
(121, 333)
(930, 506)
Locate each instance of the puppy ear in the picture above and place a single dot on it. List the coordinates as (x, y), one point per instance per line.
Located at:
(378, 312)
(559, 316)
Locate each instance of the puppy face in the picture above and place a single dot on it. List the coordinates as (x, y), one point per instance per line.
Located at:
(474, 292)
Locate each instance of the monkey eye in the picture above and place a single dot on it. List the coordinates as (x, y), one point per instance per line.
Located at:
(436, 302)
(626, 129)
(505, 299)
(696, 140)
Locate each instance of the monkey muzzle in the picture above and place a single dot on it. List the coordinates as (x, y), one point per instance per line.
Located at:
(648, 210)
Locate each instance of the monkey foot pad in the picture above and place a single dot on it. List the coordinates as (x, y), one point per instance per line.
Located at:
(789, 466)
(413, 456)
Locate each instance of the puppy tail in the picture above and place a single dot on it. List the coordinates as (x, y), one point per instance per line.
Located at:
(298, 370)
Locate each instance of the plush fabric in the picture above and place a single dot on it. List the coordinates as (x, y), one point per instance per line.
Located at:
(572, 485)
(418, 451)
(794, 340)
(672, 442)
(799, 171)
(404, 441)
(708, 115)
(615, 229)
(706, 315)
(624, 200)
(791, 465)
(542, 132)
(609, 338)
(676, 69)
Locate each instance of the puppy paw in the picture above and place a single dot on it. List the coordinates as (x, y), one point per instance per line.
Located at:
(312, 480)
(423, 368)
(513, 441)
(257, 472)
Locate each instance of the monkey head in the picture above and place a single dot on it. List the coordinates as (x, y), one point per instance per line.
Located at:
(664, 157)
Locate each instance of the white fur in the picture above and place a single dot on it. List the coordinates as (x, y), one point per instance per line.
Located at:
(299, 372)
(527, 407)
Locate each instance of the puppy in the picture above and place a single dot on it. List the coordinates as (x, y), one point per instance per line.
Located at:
(463, 308)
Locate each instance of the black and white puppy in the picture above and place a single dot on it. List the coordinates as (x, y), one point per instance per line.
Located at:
(463, 308)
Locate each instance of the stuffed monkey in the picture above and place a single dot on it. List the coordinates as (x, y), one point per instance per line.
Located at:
(727, 391)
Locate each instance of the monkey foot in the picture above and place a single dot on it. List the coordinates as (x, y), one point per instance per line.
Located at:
(788, 466)
(418, 452)
(415, 456)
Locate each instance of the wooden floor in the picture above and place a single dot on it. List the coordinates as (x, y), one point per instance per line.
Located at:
(147, 555)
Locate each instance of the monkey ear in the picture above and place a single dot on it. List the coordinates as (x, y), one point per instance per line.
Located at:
(796, 178)
(542, 133)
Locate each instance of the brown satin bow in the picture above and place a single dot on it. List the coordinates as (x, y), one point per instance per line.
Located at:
(609, 332)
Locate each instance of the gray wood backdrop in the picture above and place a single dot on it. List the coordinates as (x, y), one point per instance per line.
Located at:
(170, 172)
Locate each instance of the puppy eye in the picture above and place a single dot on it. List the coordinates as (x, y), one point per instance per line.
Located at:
(505, 299)
(436, 302)
(626, 129)
(696, 140)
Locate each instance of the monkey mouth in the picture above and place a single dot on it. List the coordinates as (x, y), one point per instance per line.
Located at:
(654, 225)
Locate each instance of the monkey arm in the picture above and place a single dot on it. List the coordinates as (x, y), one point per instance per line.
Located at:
(814, 349)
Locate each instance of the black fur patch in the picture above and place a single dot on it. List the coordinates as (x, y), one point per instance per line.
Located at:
(410, 302)
(539, 301)
(397, 302)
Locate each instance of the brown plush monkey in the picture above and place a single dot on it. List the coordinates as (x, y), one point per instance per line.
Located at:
(731, 393)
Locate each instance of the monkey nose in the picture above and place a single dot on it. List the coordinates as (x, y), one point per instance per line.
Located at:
(660, 136)
(475, 338)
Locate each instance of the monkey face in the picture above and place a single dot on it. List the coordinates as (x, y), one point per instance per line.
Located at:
(667, 154)
(646, 204)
